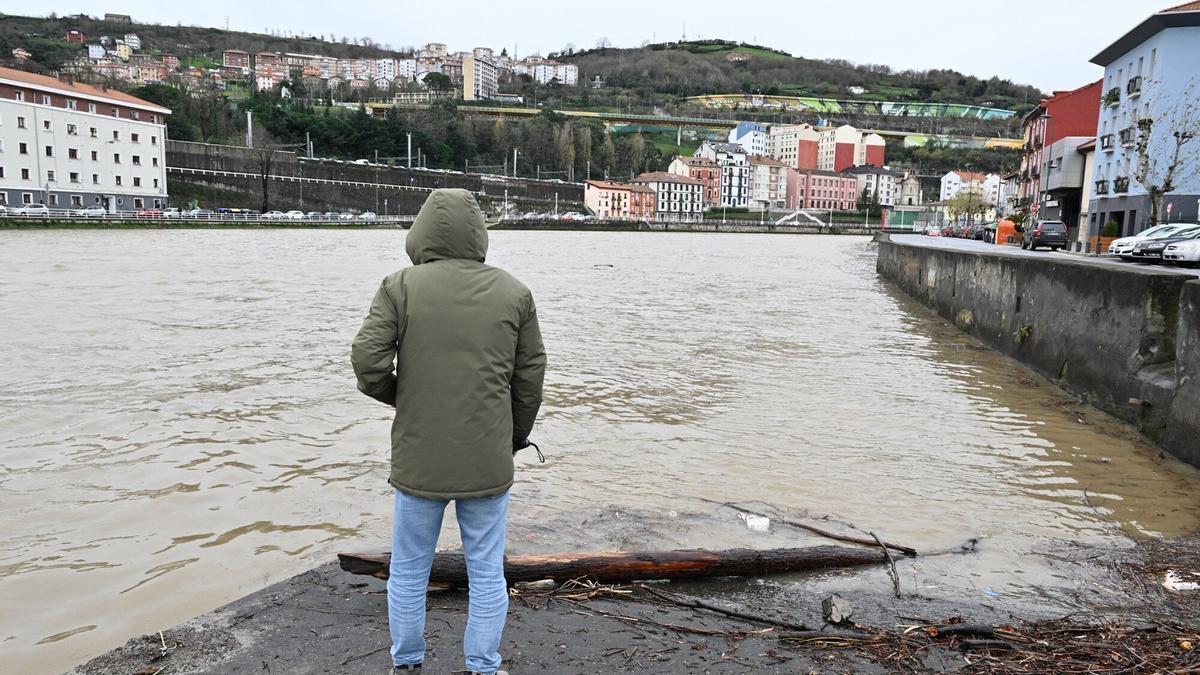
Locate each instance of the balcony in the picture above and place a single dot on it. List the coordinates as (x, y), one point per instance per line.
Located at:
(1133, 87)
(1112, 97)
(1121, 184)
(1128, 136)
(1106, 143)
(1101, 187)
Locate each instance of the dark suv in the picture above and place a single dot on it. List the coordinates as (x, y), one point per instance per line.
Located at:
(1051, 233)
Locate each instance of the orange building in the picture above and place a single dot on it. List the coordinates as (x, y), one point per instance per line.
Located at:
(619, 201)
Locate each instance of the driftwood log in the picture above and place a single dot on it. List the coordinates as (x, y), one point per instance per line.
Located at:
(450, 569)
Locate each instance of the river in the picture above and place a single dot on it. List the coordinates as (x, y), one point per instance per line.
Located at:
(179, 424)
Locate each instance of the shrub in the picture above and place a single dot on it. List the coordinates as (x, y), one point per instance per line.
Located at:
(1111, 229)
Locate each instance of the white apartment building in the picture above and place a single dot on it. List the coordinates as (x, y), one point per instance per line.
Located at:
(678, 198)
(70, 145)
(883, 184)
(543, 73)
(751, 136)
(768, 182)
(386, 69)
(987, 186)
(479, 78)
(406, 69)
(735, 171)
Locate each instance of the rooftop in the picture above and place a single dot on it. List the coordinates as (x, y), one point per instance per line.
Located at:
(611, 185)
(664, 177)
(79, 89)
(1179, 16)
(765, 159)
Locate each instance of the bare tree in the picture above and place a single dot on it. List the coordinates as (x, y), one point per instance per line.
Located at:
(264, 160)
(603, 43)
(1166, 161)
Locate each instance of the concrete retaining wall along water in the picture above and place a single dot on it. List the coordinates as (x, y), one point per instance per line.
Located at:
(1123, 338)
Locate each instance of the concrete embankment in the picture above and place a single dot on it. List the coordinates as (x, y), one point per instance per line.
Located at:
(1123, 338)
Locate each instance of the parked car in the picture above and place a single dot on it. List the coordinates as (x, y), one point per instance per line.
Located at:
(272, 215)
(1124, 246)
(147, 213)
(30, 210)
(314, 215)
(294, 215)
(346, 215)
(198, 213)
(3, 210)
(933, 232)
(1049, 233)
(1151, 250)
(90, 212)
(171, 213)
(1185, 253)
(331, 215)
(367, 215)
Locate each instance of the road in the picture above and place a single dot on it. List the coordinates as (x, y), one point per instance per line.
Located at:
(972, 245)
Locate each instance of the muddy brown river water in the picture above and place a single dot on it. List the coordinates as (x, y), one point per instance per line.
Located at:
(179, 424)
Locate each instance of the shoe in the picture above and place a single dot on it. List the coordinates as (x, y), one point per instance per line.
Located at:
(406, 668)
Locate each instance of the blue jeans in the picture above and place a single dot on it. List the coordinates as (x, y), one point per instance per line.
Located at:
(415, 532)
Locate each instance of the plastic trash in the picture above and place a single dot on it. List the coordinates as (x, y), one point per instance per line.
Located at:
(1174, 581)
(990, 593)
(756, 523)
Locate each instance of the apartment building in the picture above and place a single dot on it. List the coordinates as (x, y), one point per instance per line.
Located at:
(752, 136)
(839, 148)
(827, 191)
(66, 144)
(735, 171)
(794, 144)
(619, 201)
(1061, 115)
(704, 170)
(1150, 86)
(677, 198)
(543, 73)
(768, 182)
(878, 182)
(478, 78)
(987, 186)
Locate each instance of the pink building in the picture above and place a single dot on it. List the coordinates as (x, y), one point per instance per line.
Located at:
(619, 201)
(828, 191)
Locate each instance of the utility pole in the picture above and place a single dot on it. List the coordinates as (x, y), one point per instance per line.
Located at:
(410, 150)
(514, 162)
(308, 144)
(249, 129)
(589, 169)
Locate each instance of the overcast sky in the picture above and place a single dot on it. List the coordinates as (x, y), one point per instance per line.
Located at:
(1046, 43)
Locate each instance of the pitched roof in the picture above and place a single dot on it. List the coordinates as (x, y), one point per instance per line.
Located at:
(664, 177)
(612, 185)
(970, 175)
(765, 159)
(1185, 15)
(79, 89)
(702, 161)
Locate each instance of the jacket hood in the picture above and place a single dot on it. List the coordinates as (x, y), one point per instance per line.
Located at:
(448, 227)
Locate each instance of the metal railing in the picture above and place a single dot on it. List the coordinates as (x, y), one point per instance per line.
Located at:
(1134, 86)
(1101, 187)
(1121, 184)
(1106, 142)
(166, 216)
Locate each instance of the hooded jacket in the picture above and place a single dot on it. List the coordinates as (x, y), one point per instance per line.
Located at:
(454, 345)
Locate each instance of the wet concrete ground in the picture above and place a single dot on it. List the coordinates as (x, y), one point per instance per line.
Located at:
(328, 621)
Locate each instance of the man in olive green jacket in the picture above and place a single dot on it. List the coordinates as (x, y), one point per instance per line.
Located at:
(454, 345)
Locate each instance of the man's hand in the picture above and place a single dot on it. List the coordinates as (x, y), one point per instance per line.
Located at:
(519, 445)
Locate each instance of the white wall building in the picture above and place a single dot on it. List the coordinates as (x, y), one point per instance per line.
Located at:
(752, 136)
(987, 186)
(679, 198)
(735, 171)
(75, 145)
(880, 183)
(479, 78)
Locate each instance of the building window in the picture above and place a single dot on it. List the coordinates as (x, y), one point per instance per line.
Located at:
(154, 140)
(53, 200)
(95, 179)
(137, 202)
(158, 203)
(118, 180)
(95, 156)
(115, 113)
(74, 177)
(3, 198)
(45, 100)
(116, 158)
(72, 105)
(20, 95)
(49, 150)
(92, 108)
(72, 153)
(24, 174)
(50, 175)
(72, 130)
(135, 115)
(153, 160)
(93, 132)
(76, 200)
(26, 197)
(137, 182)
(20, 122)
(137, 160)
(155, 182)
(134, 138)
(46, 125)
(116, 135)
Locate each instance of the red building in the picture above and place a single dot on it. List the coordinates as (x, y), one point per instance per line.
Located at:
(1062, 114)
(704, 170)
